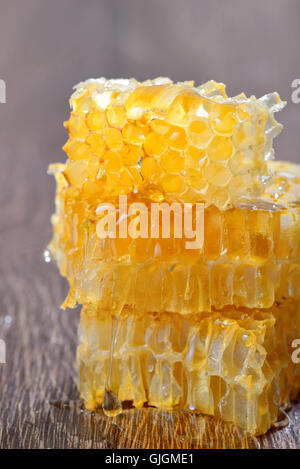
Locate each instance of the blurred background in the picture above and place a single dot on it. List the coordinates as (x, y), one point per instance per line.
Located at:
(47, 46)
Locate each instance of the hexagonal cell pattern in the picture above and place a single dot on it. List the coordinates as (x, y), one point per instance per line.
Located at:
(191, 144)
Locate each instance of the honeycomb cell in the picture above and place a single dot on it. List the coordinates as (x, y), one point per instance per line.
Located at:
(195, 158)
(112, 180)
(199, 134)
(195, 179)
(77, 150)
(112, 161)
(96, 143)
(172, 183)
(218, 196)
(225, 122)
(217, 174)
(176, 138)
(150, 169)
(155, 144)
(91, 189)
(77, 127)
(160, 126)
(221, 148)
(126, 181)
(116, 116)
(131, 154)
(84, 105)
(113, 138)
(76, 173)
(172, 161)
(133, 134)
(240, 163)
(136, 177)
(96, 120)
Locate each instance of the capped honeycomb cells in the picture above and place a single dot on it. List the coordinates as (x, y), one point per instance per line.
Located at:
(175, 129)
(234, 364)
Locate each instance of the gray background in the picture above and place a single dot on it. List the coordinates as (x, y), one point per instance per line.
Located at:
(47, 46)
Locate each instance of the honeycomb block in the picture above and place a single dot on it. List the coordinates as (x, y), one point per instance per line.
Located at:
(234, 364)
(176, 140)
(250, 257)
(213, 333)
(254, 231)
(186, 288)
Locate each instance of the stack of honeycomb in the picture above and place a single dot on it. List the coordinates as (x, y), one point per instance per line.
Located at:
(208, 329)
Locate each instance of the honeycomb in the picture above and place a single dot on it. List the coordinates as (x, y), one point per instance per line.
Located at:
(214, 331)
(170, 140)
(250, 258)
(234, 364)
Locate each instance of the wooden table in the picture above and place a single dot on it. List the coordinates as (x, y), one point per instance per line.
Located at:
(39, 404)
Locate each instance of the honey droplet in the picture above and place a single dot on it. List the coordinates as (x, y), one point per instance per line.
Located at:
(111, 404)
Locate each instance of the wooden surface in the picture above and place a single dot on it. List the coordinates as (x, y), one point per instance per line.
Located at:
(47, 47)
(39, 406)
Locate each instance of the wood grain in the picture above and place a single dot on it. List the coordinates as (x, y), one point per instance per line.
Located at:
(39, 404)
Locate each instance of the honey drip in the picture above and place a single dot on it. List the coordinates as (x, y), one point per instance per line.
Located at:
(283, 422)
(111, 405)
